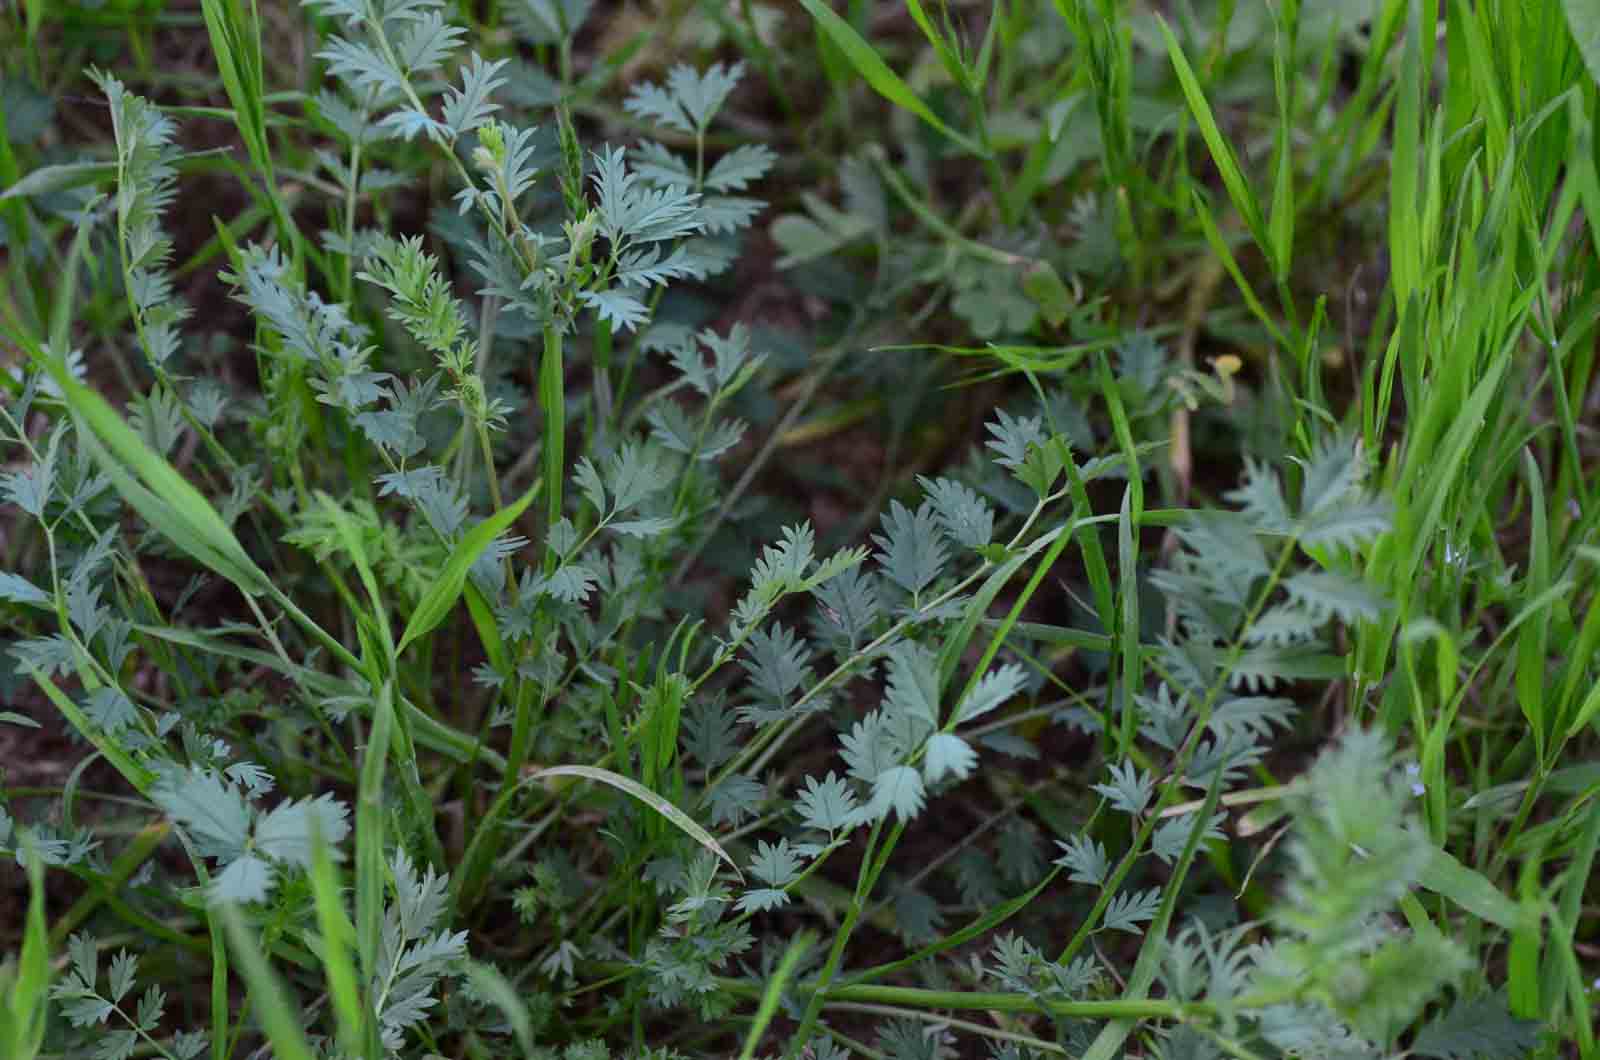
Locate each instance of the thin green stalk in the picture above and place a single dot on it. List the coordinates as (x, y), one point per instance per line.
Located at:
(127, 863)
(552, 401)
(988, 1001)
(858, 901)
(1180, 761)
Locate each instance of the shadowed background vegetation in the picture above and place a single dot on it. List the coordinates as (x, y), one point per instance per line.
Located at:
(918, 529)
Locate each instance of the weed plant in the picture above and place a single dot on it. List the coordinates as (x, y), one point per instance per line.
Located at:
(448, 618)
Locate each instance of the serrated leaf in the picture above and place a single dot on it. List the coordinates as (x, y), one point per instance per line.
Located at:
(898, 789)
(590, 483)
(571, 583)
(617, 308)
(947, 753)
(991, 691)
(651, 527)
(1327, 593)
(28, 489)
(362, 66)
(849, 604)
(1127, 911)
(647, 268)
(1480, 1028)
(709, 731)
(659, 165)
(1334, 471)
(689, 100)
(867, 748)
(741, 167)
(428, 41)
(827, 805)
(285, 834)
(1130, 788)
(1284, 624)
(634, 474)
(726, 214)
(965, 516)
(1018, 853)
(777, 667)
(245, 879)
(212, 812)
(911, 548)
(1348, 525)
(775, 866)
(115, 1044)
(735, 797)
(762, 899)
(110, 708)
(913, 686)
(549, 21)
(469, 106)
(1084, 859)
(1255, 715)
(802, 239)
(1172, 837)
(124, 967)
(1261, 498)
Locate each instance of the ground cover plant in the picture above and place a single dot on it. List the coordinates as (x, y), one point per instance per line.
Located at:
(671, 528)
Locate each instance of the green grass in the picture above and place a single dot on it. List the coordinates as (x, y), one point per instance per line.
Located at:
(1064, 527)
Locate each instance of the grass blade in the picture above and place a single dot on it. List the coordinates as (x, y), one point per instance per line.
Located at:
(23, 1003)
(369, 832)
(446, 588)
(279, 1017)
(61, 177)
(676, 817)
(1280, 219)
(1583, 19)
(1239, 190)
(503, 996)
(338, 936)
(1470, 889)
(876, 72)
(159, 493)
(553, 404)
(134, 773)
(772, 996)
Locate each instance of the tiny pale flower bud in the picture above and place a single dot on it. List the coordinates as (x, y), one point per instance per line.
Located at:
(581, 236)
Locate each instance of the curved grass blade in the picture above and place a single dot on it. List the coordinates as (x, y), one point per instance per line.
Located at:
(155, 489)
(47, 179)
(883, 80)
(676, 817)
(443, 593)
